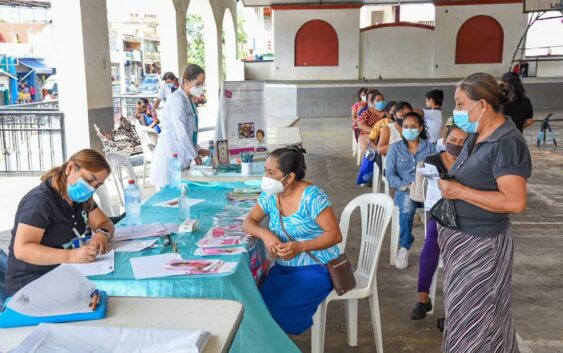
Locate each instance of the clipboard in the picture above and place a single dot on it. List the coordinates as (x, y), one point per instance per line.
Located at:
(10, 318)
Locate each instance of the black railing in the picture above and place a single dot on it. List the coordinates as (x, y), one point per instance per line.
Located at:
(32, 139)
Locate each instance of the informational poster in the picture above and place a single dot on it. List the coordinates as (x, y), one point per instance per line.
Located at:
(243, 120)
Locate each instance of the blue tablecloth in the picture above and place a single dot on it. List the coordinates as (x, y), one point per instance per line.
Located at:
(258, 331)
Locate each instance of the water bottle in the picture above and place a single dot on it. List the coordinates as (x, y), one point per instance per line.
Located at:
(184, 205)
(174, 171)
(133, 204)
(211, 149)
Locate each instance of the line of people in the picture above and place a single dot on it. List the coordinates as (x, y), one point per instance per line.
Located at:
(487, 163)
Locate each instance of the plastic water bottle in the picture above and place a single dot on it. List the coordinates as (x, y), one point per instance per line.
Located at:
(211, 149)
(184, 205)
(133, 204)
(174, 171)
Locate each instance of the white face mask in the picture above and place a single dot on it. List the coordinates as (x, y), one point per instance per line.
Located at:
(364, 98)
(196, 91)
(272, 186)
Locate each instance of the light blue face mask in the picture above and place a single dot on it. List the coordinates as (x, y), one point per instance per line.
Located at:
(461, 119)
(170, 85)
(80, 191)
(411, 134)
(380, 105)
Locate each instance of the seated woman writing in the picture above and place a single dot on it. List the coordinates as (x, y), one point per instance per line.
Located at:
(297, 284)
(50, 215)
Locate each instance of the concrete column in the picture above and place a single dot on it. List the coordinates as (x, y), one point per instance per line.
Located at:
(83, 70)
(173, 40)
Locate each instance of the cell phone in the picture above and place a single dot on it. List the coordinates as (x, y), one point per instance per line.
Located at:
(166, 240)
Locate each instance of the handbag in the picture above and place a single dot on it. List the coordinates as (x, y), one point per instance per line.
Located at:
(417, 187)
(339, 269)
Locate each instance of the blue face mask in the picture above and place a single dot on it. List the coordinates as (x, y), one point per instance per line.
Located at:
(380, 105)
(411, 134)
(461, 119)
(80, 191)
(170, 85)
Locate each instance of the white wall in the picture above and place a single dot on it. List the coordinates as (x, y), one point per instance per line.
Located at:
(259, 70)
(448, 21)
(396, 52)
(550, 69)
(346, 24)
(365, 14)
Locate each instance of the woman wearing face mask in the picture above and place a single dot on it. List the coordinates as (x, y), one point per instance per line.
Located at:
(491, 180)
(49, 215)
(180, 127)
(430, 253)
(370, 116)
(168, 87)
(362, 99)
(296, 285)
(401, 167)
(393, 131)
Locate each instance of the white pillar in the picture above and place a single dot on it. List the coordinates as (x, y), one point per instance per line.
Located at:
(173, 40)
(83, 70)
(230, 48)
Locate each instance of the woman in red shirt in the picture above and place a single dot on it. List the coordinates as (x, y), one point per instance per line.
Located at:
(370, 116)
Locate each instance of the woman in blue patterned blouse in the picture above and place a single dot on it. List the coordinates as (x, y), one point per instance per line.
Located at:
(296, 285)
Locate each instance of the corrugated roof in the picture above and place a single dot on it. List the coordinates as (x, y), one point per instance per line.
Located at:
(261, 3)
(45, 4)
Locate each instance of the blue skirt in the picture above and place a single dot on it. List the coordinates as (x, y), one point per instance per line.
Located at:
(293, 293)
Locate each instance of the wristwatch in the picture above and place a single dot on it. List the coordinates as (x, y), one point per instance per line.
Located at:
(104, 232)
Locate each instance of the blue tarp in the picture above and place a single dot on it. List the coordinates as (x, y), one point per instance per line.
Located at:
(40, 67)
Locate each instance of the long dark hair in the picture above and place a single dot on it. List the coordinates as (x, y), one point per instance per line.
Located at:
(423, 134)
(514, 81)
(291, 160)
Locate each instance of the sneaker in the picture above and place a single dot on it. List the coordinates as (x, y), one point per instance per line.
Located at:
(420, 310)
(402, 259)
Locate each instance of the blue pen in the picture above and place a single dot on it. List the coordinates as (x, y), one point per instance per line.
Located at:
(78, 236)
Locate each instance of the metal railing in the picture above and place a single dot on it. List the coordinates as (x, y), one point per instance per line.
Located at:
(32, 140)
(125, 105)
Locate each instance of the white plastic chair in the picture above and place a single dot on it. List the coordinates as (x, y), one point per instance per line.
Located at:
(103, 200)
(149, 139)
(354, 144)
(376, 181)
(375, 213)
(117, 162)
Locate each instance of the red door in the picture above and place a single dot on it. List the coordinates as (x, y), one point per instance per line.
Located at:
(316, 44)
(479, 41)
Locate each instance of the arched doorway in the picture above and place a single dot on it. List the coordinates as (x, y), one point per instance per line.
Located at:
(229, 40)
(316, 44)
(203, 49)
(480, 40)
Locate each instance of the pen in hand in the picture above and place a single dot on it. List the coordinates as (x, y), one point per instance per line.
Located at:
(80, 240)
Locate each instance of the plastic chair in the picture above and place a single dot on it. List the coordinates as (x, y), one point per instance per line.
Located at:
(354, 144)
(3, 270)
(117, 162)
(149, 139)
(376, 181)
(376, 212)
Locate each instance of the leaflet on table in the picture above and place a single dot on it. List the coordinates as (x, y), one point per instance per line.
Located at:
(48, 338)
(173, 203)
(61, 291)
(104, 264)
(219, 242)
(221, 232)
(219, 251)
(155, 266)
(132, 245)
(140, 231)
(195, 267)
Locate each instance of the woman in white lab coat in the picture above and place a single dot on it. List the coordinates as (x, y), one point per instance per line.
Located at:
(180, 128)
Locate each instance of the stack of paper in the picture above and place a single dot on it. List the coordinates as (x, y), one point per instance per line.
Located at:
(67, 338)
(165, 265)
(104, 264)
(175, 202)
(433, 193)
(62, 291)
(140, 231)
(132, 245)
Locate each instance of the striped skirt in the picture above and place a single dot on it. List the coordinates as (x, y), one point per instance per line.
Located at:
(477, 293)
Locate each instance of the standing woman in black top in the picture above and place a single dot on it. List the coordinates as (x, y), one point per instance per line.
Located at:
(48, 216)
(519, 108)
(491, 178)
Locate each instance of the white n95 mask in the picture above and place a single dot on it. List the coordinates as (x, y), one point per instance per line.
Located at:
(196, 91)
(272, 186)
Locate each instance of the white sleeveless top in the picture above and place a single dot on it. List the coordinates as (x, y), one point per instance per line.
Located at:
(394, 134)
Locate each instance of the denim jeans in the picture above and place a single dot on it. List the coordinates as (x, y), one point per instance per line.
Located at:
(407, 209)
